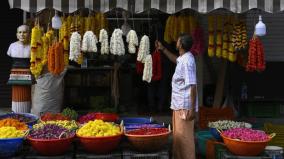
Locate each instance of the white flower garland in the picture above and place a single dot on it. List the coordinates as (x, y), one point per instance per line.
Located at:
(144, 49)
(103, 39)
(75, 46)
(147, 72)
(116, 43)
(132, 40)
(89, 43)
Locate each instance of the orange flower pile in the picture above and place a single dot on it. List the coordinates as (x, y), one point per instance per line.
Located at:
(13, 123)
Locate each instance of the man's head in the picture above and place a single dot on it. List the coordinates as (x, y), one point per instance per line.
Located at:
(184, 43)
(23, 32)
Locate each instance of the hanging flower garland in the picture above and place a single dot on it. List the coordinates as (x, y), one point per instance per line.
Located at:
(116, 43)
(132, 40)
(144, 49)
(36, 51)
(219, 36)
(211, 42)
(56, 58)
(75, 47)
(89, 43)
(225, 44)
(103, 39)
(147, 72)
(64, 35)
(256, 61)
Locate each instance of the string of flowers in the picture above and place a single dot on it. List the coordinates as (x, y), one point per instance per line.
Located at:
(89, 43)
(103, 39)
(144, 49)
(132, 40)
(75, 47)
(147, 72)
(36, 51)
(116, 43)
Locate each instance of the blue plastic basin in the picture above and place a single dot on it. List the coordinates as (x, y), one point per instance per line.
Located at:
(9, 147)
(134, 120)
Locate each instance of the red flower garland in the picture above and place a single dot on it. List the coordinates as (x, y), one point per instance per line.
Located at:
(256, 61)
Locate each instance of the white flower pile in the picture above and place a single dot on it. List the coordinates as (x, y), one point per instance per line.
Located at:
(147, 72)
(144, 49)
(116, 43)
(75, 46)
(132, 41)
(103, 39)
(228, 124)
(89, 43)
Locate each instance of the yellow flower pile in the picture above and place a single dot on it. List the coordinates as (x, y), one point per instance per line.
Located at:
(98, 128)
(7, 132)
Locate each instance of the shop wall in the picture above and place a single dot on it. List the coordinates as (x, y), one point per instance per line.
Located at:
(10, 20)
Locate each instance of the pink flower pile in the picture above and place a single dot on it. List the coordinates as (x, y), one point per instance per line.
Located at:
(246, 134)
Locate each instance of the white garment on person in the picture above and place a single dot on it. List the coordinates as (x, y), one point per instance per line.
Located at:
(183, 78)
(18, 50)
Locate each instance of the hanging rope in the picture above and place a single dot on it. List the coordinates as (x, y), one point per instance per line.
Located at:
(132, 18)
(149, 25)
(117, 18)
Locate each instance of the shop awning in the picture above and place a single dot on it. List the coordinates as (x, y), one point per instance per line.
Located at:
(138, 6)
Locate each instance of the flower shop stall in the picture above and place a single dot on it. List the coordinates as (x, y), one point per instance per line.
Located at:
(71, 38)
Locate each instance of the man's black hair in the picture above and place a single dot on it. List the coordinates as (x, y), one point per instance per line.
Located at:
(186, 41)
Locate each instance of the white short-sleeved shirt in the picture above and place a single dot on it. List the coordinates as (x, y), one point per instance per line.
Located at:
(183, 78)
(18, 50)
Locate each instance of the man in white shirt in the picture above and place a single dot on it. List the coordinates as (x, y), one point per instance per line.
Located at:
(184, 98)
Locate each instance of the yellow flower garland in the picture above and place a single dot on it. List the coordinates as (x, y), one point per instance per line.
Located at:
(219, 36)
(211, 47)
(36, 51)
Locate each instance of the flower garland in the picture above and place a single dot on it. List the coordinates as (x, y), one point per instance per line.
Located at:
(75, 47)
(56, 58)
(147, 72)
(211, 47)
(132, 40)
(232, 55)
(36, 51)
(89, 43)
(144, 49)
(226, 39)
(256, 61)
(116, 43)
(239, 35)
(103, 39)
(219, 36)
(64, 35)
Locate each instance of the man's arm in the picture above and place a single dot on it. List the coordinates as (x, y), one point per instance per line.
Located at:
(171, 56)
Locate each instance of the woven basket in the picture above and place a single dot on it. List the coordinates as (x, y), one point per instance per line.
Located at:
(148, 143)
